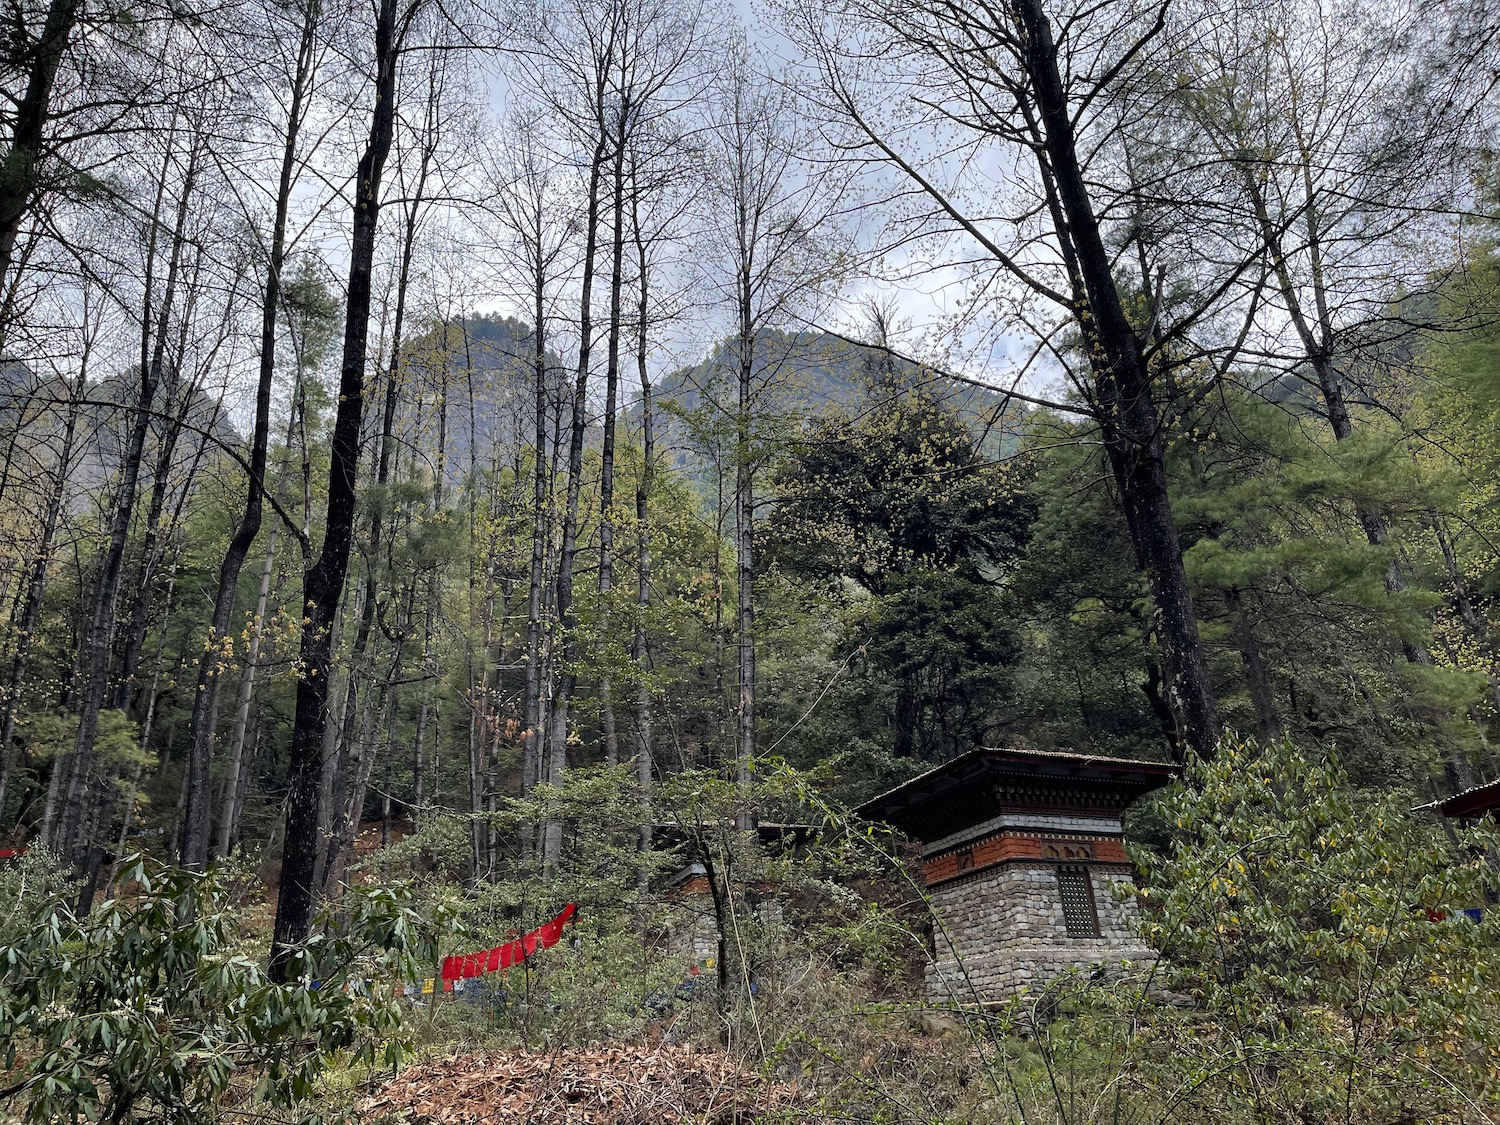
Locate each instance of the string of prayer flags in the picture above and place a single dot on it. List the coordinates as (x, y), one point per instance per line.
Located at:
(464, 966)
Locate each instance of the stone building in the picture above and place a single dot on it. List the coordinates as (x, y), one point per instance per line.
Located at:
(1022, 849)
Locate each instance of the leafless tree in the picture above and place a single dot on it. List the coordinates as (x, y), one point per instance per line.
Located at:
(1007, 131)
(324, 582)
(193, 847)
(768, 211)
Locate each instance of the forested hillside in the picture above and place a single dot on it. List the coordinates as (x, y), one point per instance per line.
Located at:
(458, 459)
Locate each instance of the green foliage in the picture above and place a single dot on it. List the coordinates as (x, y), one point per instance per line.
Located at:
(900, 515)
(149, 1008)
(765, 910)
(1088, 677)
(1279, 556)
(118, 754)
(1318, 935)
(900, 490)
(31, 885)
(1372, 649)
(312, 310)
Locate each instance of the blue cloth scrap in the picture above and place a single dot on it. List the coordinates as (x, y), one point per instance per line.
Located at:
(1475, 913)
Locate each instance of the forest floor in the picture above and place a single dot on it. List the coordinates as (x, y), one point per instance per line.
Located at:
(606, 1084)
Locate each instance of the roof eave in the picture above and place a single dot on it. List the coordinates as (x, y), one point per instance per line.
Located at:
(1478, 800)
(915, 789)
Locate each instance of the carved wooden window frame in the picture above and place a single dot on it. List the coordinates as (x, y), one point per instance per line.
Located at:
(1061, 848)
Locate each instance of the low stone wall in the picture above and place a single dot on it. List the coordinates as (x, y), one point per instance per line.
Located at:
(1002, 930)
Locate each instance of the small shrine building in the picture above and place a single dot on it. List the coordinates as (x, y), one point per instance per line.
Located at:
(1021, 850)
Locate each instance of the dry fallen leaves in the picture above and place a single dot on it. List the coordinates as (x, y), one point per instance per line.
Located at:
(608, 1084)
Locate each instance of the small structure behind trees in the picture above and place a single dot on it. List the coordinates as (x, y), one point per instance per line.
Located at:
(1473, 804)
(1022, 850)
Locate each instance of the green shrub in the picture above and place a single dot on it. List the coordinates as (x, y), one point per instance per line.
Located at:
(148, 1008)
(1317, 963)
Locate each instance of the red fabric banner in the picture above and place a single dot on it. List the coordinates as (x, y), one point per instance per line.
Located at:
(464, 966)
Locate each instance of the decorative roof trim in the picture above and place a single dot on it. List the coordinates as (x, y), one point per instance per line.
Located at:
(1028, 823)
(975, 763)
(1471, 802)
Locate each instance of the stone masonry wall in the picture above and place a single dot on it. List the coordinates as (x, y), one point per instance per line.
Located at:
(1006, 929)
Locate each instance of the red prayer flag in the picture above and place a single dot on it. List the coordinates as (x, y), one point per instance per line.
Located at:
(463, 966)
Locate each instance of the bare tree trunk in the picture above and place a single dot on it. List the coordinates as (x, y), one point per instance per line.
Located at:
(744, 556)
(134, 636)
(1257, 676)
(55, 788)
(152, 694)
(345, 815)
(345, 831)
(1315, 332)
(419, 765)
(504, 582)
(1316, 335)
(478, 694)
(36, 585)
(385, 794)
(607, 448)
(20, 170)
(151, 552)
(228, 815)
(185, 397)
(482, 721)
(567, 677)
(324, 582)
(99, 635)
(640, 650)
(346, 745)
(335, 741)
(1123, 385)
(531, 763)
(242, 787)
(194, 844)
(528, 214)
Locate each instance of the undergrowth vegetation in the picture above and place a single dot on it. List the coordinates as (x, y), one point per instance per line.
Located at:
(1320, 962)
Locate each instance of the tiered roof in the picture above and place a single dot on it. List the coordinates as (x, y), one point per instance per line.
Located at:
(985, 782)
